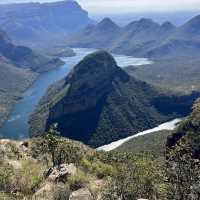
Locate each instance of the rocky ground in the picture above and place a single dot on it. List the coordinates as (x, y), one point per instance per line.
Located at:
(51, 183)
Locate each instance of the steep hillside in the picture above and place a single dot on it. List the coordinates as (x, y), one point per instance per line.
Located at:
(176, 60)
(153, 143)
(19, 66)
(13, 81)
(188, 133)
(177, 75)
(97, 103)
(29, 23)
(55, 168)
(189, 31)
(183, 157)
(24, 57)
(183, 43)
(139, 37)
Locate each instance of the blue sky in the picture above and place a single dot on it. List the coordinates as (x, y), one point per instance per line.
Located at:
(127, 6)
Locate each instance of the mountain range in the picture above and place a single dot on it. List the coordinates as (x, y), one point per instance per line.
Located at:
(173, 50)
(40, 23)
(142, 38)
(97, 103)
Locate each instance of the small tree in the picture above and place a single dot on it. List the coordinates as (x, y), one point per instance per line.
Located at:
(51, 143)
(60, 150)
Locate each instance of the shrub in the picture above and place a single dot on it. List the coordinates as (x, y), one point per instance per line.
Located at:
(98, 168)
(12, 150)
(6, 175)
(54, 149)
(138, 178)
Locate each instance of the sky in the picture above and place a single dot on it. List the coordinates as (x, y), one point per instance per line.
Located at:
(127, 6)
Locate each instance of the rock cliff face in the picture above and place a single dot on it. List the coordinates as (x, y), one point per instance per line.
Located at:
(42, 22)
(97, 103)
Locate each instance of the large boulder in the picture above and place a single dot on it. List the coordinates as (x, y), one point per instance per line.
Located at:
(81, 194)
(61, 173)
(44, 192)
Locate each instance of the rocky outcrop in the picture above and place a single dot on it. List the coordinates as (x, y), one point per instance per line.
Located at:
(24, 174)
(61, 172)
(82, 194)
(45, 192)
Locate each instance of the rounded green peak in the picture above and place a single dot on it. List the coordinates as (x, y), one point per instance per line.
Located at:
(99, 59)
(99, 65)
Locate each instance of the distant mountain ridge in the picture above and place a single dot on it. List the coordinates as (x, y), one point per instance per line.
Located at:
(175, 51)
(142, 38)
(131, 39)
(95, 36)
(41, 22)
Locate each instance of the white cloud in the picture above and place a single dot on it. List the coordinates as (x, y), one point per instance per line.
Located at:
(124, 6)
(105, 6)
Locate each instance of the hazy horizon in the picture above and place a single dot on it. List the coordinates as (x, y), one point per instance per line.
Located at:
(128, 6)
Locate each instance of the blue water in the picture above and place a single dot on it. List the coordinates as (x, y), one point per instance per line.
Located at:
(17, 126)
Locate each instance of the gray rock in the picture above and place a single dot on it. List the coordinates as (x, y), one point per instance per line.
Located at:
(62, 172)
(82, 194)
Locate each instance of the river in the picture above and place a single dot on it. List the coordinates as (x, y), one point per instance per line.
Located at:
(17, 126)
(171, 125)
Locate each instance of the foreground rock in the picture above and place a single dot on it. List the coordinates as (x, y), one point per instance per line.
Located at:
(60, 173)
(82, 194)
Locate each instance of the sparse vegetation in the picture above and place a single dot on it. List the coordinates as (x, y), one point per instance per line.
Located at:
(28, 177)
(183, 158)
(153, 143)
(6, 177)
